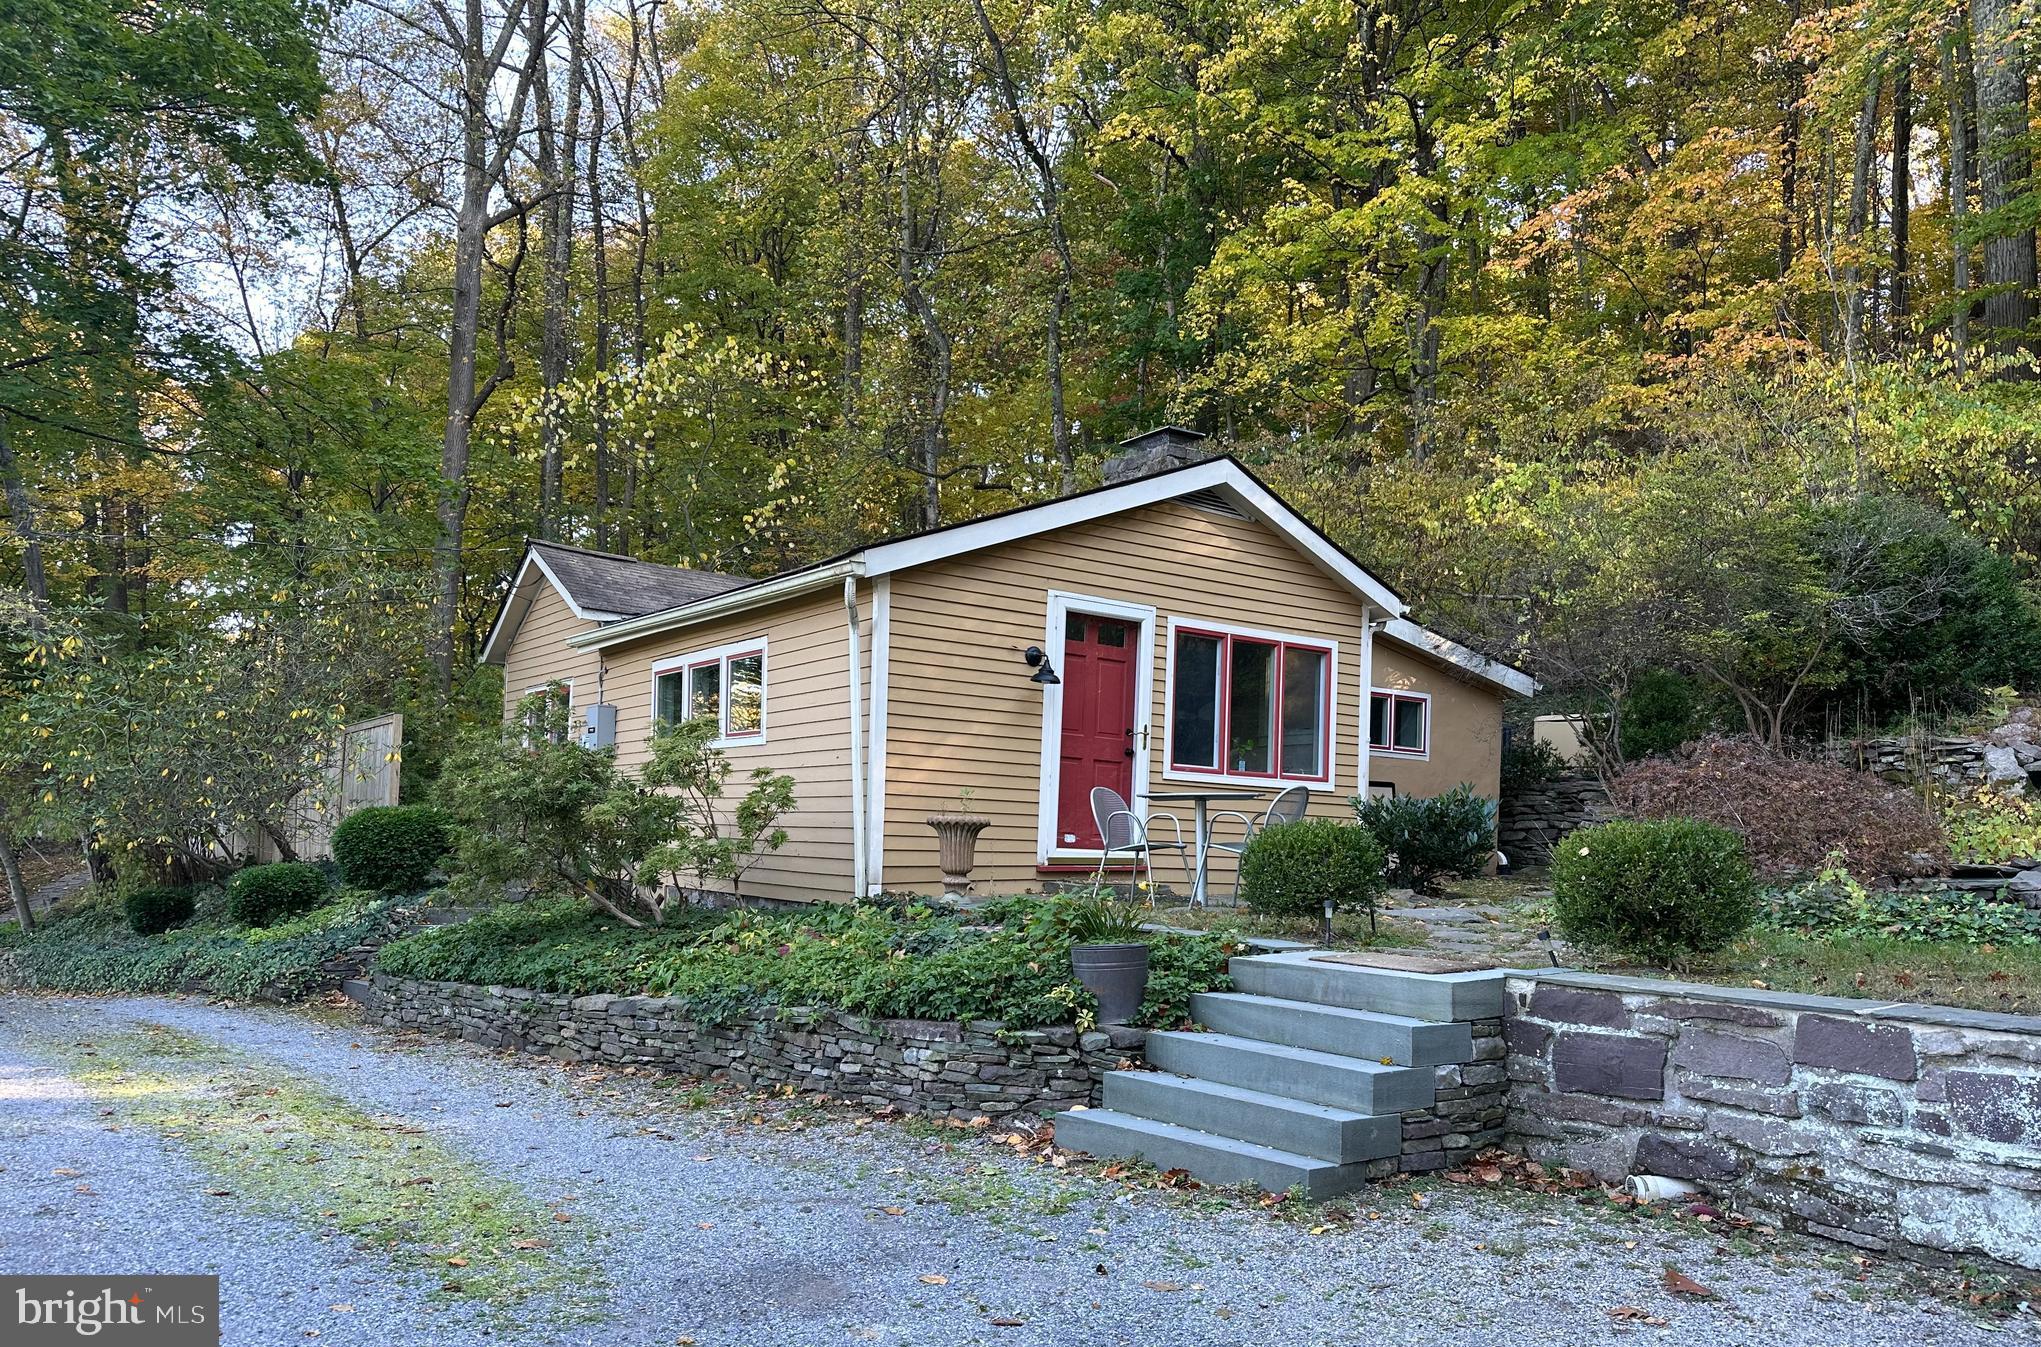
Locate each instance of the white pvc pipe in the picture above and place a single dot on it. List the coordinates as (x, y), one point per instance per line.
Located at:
(1659, 1188)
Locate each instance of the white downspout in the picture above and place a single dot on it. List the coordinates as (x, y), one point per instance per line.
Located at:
(857, 746)
(1370, 624)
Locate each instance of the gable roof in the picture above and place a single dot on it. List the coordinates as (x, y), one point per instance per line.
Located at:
(600, 587)
(1223, 477)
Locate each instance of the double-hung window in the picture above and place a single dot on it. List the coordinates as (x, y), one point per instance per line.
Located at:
(725, 686)
(1250, 704)
(548, 711)
(1399, 723)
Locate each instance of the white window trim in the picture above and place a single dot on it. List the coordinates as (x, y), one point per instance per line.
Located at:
(1400, 754)
(544, 686)
(1275, 782)
(720, 654)
(1061, 605)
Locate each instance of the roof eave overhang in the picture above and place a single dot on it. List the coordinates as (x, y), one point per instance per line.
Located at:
(726, 604)
(1222, 475)
(1472, 663)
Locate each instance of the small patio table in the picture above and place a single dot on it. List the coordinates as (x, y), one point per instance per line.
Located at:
(1200, 800)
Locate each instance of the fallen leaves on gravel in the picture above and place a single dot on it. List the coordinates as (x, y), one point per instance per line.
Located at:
(1680, 1284)
(1006, 1321)
(1163, 1286)
(935, 1279)
(1630, 1314)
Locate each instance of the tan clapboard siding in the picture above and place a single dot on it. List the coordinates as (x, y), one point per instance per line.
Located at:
(807, 731)
(539, 652)
(961, 711)
(1466, 730)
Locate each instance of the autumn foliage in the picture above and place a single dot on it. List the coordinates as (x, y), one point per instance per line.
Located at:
(1792, 813)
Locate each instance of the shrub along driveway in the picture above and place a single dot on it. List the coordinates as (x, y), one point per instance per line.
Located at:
(351, 1187)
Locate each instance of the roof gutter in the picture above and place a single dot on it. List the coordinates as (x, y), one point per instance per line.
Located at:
(721, 605)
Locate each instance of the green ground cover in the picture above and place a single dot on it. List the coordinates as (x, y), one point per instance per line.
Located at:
(909, 960)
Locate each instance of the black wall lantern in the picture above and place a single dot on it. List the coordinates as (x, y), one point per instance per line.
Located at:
(1045, 672)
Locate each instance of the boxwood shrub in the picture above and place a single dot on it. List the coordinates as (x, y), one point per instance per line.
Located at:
(154, 910)
(392, 849)
(1655, 890)
(263, 895)
(1293, 868)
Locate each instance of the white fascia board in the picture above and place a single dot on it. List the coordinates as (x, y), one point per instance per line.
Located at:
(1405, 632)
(574, 606)
(518, 601)
(1217, 474)
(718, 605)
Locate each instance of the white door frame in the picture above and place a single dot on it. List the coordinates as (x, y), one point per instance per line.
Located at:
(1061, 605)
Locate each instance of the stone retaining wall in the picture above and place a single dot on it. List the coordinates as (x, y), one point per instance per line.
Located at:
(920, 1066)
(1530, 821)
(1468, 1115)
(1914, 1130)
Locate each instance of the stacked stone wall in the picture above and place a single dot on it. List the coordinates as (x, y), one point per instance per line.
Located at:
(1912, 1130)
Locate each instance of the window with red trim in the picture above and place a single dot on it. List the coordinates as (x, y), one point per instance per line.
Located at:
(1399, 722)
(727, 687)
(1245, 705)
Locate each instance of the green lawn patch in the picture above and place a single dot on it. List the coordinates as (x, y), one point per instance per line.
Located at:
(1887, 968)
(906, 961)
(279, 1145)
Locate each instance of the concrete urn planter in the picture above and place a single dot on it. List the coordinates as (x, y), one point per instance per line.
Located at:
(957, 838)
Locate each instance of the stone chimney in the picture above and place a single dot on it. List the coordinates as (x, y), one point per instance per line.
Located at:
(1154, 451)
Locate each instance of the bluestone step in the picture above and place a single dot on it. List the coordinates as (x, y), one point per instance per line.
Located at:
(1297, 1073)
(1442, 997)
(1335, 1134)
(1354, 1033)
(1214, 1159)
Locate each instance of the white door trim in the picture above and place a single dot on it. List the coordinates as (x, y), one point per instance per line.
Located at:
(1061, 605)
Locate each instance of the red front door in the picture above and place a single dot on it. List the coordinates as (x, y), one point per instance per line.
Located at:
(1098, 722)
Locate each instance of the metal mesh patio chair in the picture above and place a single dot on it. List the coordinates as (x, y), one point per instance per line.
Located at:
(1124, 830)
(1287, 807)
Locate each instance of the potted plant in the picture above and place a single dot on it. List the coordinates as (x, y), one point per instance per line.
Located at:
(956, 832)
(1109, 954)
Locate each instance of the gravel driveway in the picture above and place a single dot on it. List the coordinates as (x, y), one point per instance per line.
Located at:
(685, 1220)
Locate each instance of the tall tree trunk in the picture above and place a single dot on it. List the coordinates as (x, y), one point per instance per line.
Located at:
(1956, 79)
(21, 510)
(1049, 199)
(1902, 190)
(1860, 209)
(17, 889)
(599, 255)
(2004, 164)
(486, 147)
(558, 160)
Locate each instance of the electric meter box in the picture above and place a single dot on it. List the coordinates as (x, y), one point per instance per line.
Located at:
(600, 730)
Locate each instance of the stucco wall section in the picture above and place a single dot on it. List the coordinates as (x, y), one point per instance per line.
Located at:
(1466, 729)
